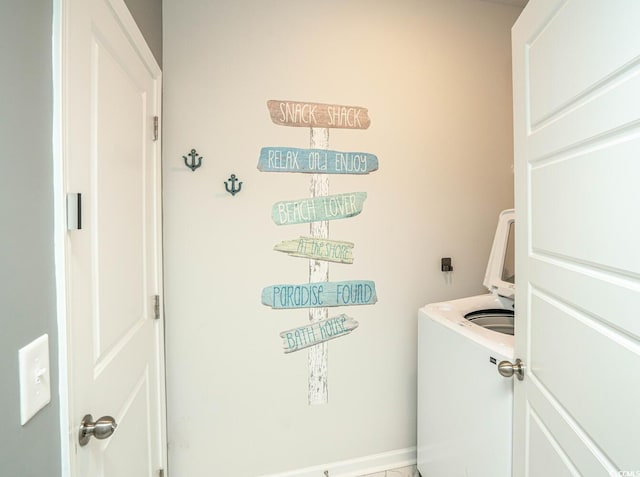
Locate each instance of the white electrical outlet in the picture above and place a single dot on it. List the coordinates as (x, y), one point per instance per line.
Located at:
(35, 385)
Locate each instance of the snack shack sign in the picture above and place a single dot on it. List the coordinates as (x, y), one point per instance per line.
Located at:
(316, 115)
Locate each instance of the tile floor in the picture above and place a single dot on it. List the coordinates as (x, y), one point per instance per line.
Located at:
(410, 471)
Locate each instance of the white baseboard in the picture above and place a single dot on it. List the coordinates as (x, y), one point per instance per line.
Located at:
(357, 467)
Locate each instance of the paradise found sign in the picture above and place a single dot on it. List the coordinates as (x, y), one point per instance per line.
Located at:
(320, 294)
(315, 333)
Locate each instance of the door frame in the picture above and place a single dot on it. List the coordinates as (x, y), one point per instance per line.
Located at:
(60, 141)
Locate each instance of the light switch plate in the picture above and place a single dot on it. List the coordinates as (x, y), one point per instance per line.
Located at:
(35, 385)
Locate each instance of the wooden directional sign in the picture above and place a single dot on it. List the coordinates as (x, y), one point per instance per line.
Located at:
(318, 249)
(325, 330)
(329, 207)
(316, 115)
(315, 161)
(320, 294)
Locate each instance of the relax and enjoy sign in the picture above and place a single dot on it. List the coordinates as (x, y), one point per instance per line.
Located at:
(315, 161)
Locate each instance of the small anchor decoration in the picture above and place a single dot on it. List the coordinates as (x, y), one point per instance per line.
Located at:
(196, 160)
(233, 190)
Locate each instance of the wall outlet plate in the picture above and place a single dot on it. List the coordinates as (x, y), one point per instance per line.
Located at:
(35, 385)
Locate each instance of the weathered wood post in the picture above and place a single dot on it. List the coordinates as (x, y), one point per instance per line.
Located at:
(319, 272)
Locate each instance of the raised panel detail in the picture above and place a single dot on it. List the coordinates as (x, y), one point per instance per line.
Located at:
(546, 457)
(582, 347)
(582, 199)
(560, 69)
(129, 454)
(614, 299)
(118, 176)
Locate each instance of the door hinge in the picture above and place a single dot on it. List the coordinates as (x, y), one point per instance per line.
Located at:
(161, 473)
(155, 128)
(156, 307)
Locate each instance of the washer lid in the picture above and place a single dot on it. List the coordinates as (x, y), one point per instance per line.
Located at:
(500, 275)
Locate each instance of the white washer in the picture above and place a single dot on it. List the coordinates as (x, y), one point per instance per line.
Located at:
(464, 406)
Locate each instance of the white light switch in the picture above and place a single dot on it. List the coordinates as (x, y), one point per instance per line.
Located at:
(35, 386)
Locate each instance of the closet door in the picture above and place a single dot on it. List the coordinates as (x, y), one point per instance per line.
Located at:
(577, 164)
(111, 98)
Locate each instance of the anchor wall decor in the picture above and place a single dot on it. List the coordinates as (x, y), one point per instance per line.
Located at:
(195, 162)
(233, 190)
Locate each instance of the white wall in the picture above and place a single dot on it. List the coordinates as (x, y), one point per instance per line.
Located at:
(435, 76)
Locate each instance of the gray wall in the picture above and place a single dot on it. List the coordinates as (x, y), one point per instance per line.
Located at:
(27, 292)
(148, 16)
(27, 281)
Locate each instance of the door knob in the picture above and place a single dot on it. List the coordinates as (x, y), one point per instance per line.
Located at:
(101, 429)
(507, 369)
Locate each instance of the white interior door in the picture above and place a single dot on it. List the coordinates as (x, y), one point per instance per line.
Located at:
(111, 94)
(577, 160)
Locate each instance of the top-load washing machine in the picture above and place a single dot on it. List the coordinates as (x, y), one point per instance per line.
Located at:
(464, 405)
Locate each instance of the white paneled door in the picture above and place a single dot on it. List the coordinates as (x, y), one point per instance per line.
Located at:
(577, 160)
(111, 98)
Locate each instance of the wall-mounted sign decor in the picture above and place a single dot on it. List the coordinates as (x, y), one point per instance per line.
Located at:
(330, 207)
(315, 333)
(318, 249)
(320, 161)
(315, 115)
(320, 294)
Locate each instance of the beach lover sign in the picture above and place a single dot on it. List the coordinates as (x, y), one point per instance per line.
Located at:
(318, 294)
